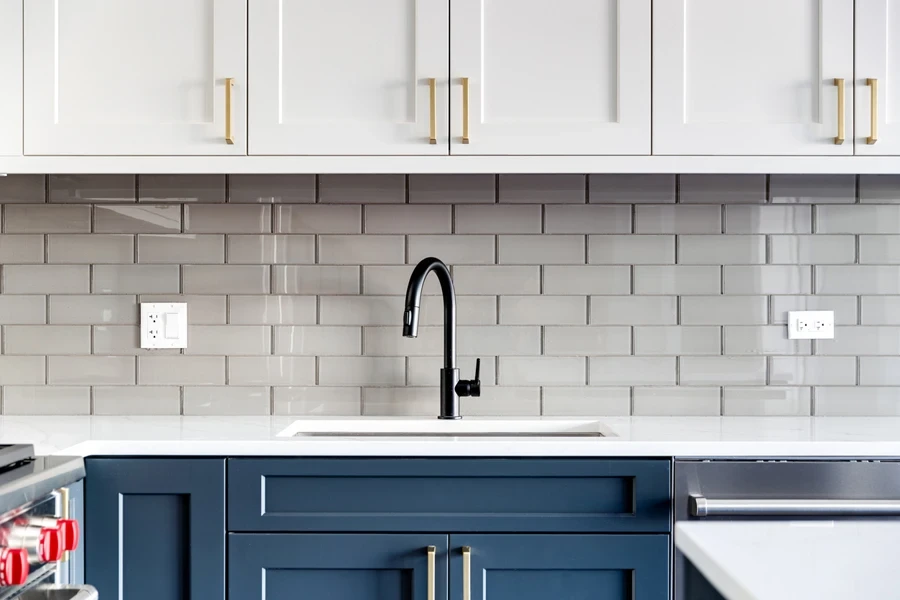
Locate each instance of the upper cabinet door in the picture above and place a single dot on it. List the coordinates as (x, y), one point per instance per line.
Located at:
(752, 77)
(142, 77)
(349, 76)
(543, 78)
(11, 76)
(878, 77)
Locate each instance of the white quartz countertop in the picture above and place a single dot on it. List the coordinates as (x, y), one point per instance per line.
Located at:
(634, 436)
(795, 560)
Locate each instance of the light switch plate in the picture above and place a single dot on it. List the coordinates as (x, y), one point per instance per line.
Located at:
(811, 324)
(163, 325)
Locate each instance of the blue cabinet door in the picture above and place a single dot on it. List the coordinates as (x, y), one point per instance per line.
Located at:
(570, 567)
(339, 566)
(155, 528)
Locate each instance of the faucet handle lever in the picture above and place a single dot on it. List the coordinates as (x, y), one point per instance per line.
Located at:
(471, 387)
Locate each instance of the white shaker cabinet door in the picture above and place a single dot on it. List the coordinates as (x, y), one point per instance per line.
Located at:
(568, 77)
(750, 77)
(878, 77)
(11, 76)
(135, 77)
(345, 77)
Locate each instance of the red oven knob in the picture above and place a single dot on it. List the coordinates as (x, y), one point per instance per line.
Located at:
(70, 533)
(13, 566)
(50, 546)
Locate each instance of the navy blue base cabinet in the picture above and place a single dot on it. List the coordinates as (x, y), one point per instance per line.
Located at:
(155, 528)
(341, 566)
(513, 529)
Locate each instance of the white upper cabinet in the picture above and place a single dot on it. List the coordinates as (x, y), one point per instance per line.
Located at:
(752, 77)
(349, 77)
(550, 78)
(135, 77)
(878, 77)
(11, 76)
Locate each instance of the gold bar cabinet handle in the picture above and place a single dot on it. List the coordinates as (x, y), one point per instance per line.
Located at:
(465, 90)
(873, 111)
(839, 82)
(432, 85)
(64, 514)
(229, 134)
(467, 573)
(431, 552)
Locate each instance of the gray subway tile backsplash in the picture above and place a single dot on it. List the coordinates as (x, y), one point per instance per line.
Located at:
(583, 295)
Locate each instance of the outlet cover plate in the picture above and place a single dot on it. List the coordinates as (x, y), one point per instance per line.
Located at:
(163, 325)
(811, 324)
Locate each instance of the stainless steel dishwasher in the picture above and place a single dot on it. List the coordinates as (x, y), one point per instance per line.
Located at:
(742, 489)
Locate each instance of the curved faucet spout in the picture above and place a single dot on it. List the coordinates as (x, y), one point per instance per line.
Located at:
(414, 300)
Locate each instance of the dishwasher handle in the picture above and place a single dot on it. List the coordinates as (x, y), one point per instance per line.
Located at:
(701, 506)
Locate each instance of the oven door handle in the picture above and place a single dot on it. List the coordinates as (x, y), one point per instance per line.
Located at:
(701, 506)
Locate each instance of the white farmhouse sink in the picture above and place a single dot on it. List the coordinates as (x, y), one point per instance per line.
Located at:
(465, 427)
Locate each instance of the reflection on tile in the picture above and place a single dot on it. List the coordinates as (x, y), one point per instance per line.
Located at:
(85, 189)
(676, 340)
(272, 189)
(46, 400)
(318, 401)
(857, 219)
(767, 279)
(362, 189)
(181, 249)
(272, 310)
(632, 370)
(722, 370)
(202, 309)
(89, 309)
(181, 188)
(23, 189)
(844, 307)
(318, 218)
(227, 400)
(542, 189)
(46, 279)
(877, 310)
(21, 249)
(631, 249)
(542, 370)
(577, 218)
(181, 370)
(857, 401)
(457, 249)
(879, 189)
(271, 249)
(724, 310)
(768, 401)
(586, 401)
(722, 189)
(273, 370)
(676, 401)
(586, 280)
(225, 279)
(124, 340)
(137, 219)
(769, 219)
(722, 249)
(87, 249)
(316, 280)
(405, 219)
(813, 189)
(361, 370)
(132, 400)
(763, 340)
(631, 189)
(812, 370)
(231, 340)
(452, 189)
(134, 279)
(855, 341)
(678, 219)
(234, 218)
(875, 370)
(679, 280)
(812, 249)
(634, 310)
(90, 370)
(46, 339)
(588, 341)
(46, 218)
(318, 340)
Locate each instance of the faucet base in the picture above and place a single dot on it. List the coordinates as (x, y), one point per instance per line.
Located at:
(449, 397)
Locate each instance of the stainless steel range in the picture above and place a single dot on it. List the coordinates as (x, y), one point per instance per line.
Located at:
(39, 527)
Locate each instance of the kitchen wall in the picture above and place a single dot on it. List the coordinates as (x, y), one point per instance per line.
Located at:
(597, 295)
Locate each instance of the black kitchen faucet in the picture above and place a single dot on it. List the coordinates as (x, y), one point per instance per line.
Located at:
(452, 387)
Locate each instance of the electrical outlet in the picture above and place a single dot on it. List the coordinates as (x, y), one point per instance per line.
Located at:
(811, 324)
(163, 325)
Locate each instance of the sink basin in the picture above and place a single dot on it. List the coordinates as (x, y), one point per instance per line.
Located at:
(465, 427)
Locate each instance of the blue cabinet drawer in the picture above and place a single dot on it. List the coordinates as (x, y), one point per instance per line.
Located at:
(441, 495)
